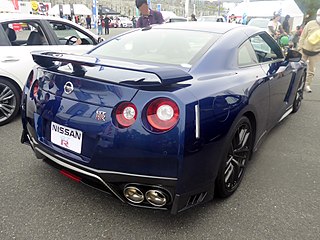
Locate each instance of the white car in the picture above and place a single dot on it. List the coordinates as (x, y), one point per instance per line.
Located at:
(211, 19)
(21, 34)
(167, 15)
(176, 19)
(125, 22)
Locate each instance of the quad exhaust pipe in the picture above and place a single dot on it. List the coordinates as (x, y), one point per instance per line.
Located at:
(133, 194)
(155, 197)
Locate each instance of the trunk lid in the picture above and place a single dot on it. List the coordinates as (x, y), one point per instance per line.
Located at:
(74, 115)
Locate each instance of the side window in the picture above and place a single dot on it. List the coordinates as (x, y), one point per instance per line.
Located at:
(246, 55)
(25, 33)
(265, 48)
(68, 34)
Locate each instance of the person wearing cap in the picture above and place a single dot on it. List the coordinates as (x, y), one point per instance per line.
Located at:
(147, 15)
(274, 27)
(309, 46)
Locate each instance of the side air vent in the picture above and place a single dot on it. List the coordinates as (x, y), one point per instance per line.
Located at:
(196, 199)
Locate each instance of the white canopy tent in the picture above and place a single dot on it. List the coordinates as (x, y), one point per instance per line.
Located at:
(268, 8)
(79, 9)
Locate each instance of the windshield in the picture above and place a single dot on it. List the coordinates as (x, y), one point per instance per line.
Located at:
(262, 23)
(168, 46)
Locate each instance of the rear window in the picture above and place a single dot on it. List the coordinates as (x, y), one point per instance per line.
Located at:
(168, 46)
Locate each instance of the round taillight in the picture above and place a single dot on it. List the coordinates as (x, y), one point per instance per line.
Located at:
(126, 114)
(162, 114)
(35, 89)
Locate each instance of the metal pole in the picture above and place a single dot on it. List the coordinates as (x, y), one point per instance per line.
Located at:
(186, 7)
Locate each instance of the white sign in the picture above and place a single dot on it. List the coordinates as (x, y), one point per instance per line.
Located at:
(66, 137)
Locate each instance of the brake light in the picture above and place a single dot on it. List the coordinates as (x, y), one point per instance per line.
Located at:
(126, 114)
(35, 89)
(162, 114)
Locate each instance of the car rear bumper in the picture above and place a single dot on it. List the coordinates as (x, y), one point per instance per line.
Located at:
(114, 183)
(107, 181)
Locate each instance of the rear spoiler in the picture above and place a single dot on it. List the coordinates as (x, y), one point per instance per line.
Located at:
(53, 60)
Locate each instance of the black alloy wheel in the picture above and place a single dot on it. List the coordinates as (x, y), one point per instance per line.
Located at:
(234, 163)
(299, 94)
(9, 101)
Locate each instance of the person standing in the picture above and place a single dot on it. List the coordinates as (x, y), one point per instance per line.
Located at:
(309, 46)
(296, 36)
(148, 16)
(134, 21)
(106, 24)
(193, 17)
(286, 25)
(99, 23)
(274, 27)
(88, 20)
(82, 21)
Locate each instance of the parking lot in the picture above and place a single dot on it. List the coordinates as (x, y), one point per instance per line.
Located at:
(278, 198)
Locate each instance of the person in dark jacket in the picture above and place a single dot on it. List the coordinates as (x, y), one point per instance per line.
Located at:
(148, 16)
(286, 25)
(193, 17)
(106, 24)
(88, 20)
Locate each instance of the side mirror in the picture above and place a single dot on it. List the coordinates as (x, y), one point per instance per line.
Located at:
(100, 39)
(293, 56)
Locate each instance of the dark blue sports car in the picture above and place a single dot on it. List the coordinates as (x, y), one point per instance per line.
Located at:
(162, 117)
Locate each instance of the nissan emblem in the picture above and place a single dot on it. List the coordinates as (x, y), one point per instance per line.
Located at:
(68, 87)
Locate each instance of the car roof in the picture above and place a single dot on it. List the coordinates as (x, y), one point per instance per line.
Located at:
(21, 16)
(214, 27)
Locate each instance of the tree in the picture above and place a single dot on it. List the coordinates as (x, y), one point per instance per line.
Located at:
(309, 7)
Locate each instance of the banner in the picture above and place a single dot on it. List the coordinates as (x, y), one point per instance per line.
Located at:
(15, 4)
(34, 6)
(94, 13)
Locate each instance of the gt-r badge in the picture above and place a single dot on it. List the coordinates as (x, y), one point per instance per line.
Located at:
(101, 116)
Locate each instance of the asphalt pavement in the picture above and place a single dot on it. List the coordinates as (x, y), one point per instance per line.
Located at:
(278, 198)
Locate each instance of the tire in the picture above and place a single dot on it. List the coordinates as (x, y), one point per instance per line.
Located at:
(299, 94)
(237, 154)
(10, 99)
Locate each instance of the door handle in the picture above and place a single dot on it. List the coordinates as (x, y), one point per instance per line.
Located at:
(10, 59)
